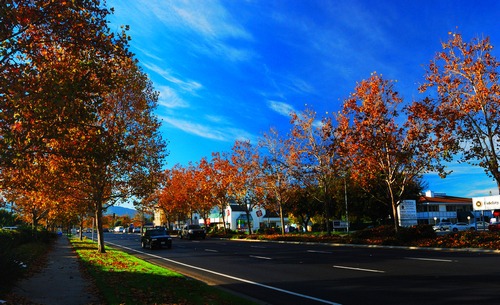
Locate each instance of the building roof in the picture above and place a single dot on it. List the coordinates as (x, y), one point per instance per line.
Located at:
(444, 199)
(237, 208)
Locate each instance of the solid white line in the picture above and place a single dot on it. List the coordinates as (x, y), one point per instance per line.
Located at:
(358, 269)
(231, 277)
(316, 251)
(260, 257)
(431, 259)
(260, 247)
(211, 250)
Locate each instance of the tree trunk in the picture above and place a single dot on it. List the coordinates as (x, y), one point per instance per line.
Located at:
(100, 234)
(248, 222)
(395, 216)
(223, 213)
(282, 219)
(81, 228)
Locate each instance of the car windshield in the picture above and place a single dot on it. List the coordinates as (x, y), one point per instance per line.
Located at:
(156, 232)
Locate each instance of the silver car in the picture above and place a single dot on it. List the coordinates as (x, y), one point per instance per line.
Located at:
(442, 226)
(462, 226)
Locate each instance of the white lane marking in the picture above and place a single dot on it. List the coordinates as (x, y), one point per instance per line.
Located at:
(358, 269)
(231, 277)
(260, 257)
(211, 250)
(432, 259)
(317, 251)
(259, 247)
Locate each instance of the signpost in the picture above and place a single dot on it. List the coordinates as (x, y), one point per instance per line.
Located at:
(407, 212)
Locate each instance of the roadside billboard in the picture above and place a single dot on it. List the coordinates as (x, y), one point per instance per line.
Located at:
(486, 203)
(407, 212)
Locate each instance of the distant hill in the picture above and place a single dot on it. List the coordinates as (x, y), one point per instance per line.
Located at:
(121, 211)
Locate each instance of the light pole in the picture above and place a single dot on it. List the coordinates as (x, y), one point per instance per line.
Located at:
(346, 210)
(249, 206)
(435, 220)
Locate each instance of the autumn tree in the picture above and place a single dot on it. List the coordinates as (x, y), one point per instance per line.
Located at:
(377, 147)
(203, 198)
(173, 197)
(277, 173)
(220, 172)
(315, 159)
(69, 87)
(196, 193)
(54, 62)
(247, 182)
(462, 113)
(120, 152)
(304, 205)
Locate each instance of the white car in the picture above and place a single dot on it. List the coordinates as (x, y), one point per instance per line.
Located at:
(118, 229)
(442, 226)
(462, 226)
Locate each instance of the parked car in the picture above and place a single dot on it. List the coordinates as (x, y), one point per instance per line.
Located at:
(10, 228)
(462, 226)
(442, 226)
(118, 229)
(156, 238)
(482, 225)
(137, 230)
(494, 226)
(192, 231)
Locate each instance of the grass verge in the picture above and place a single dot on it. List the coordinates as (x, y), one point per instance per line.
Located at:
(124, 279)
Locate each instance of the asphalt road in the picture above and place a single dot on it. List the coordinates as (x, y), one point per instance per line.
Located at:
(279, 273)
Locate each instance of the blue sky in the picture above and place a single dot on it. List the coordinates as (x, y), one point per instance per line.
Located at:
(229, 70)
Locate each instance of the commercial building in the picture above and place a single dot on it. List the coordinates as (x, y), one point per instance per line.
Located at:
(235, 218)
(436, 207)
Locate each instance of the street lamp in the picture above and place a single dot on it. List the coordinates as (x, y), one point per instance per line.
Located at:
(249, 210)
(346, 210)
(468, 218)
(435, 220)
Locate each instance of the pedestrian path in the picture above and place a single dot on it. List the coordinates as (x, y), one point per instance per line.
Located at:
(61, 282)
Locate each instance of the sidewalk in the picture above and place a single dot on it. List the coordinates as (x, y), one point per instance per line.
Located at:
(61, 282)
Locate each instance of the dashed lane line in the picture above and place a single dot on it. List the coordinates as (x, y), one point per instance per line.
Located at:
(230, 276)
(358, 269)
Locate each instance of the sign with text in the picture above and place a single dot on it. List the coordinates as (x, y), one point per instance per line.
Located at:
(486, 203)
(407, 212)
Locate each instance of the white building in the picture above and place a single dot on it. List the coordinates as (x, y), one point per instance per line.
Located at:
(435, 207)
(235, 218)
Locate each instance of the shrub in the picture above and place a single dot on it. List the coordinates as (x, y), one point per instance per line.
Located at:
(407, 234)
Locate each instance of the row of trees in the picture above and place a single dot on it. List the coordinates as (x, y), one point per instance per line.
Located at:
(78, 131)
(378, 145)
(77, 126)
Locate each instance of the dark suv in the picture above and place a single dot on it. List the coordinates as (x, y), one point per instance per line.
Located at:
(156, 238)
(192, 231)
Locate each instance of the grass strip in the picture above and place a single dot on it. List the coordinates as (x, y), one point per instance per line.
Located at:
(122, 278)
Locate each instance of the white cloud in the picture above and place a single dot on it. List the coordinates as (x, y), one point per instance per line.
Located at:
(170, 99)
(208, 18)
(187, 86)
(213, 132)
(281, 108)
(211, 25)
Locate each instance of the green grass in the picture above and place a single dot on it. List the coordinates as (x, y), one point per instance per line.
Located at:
(124, 279)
